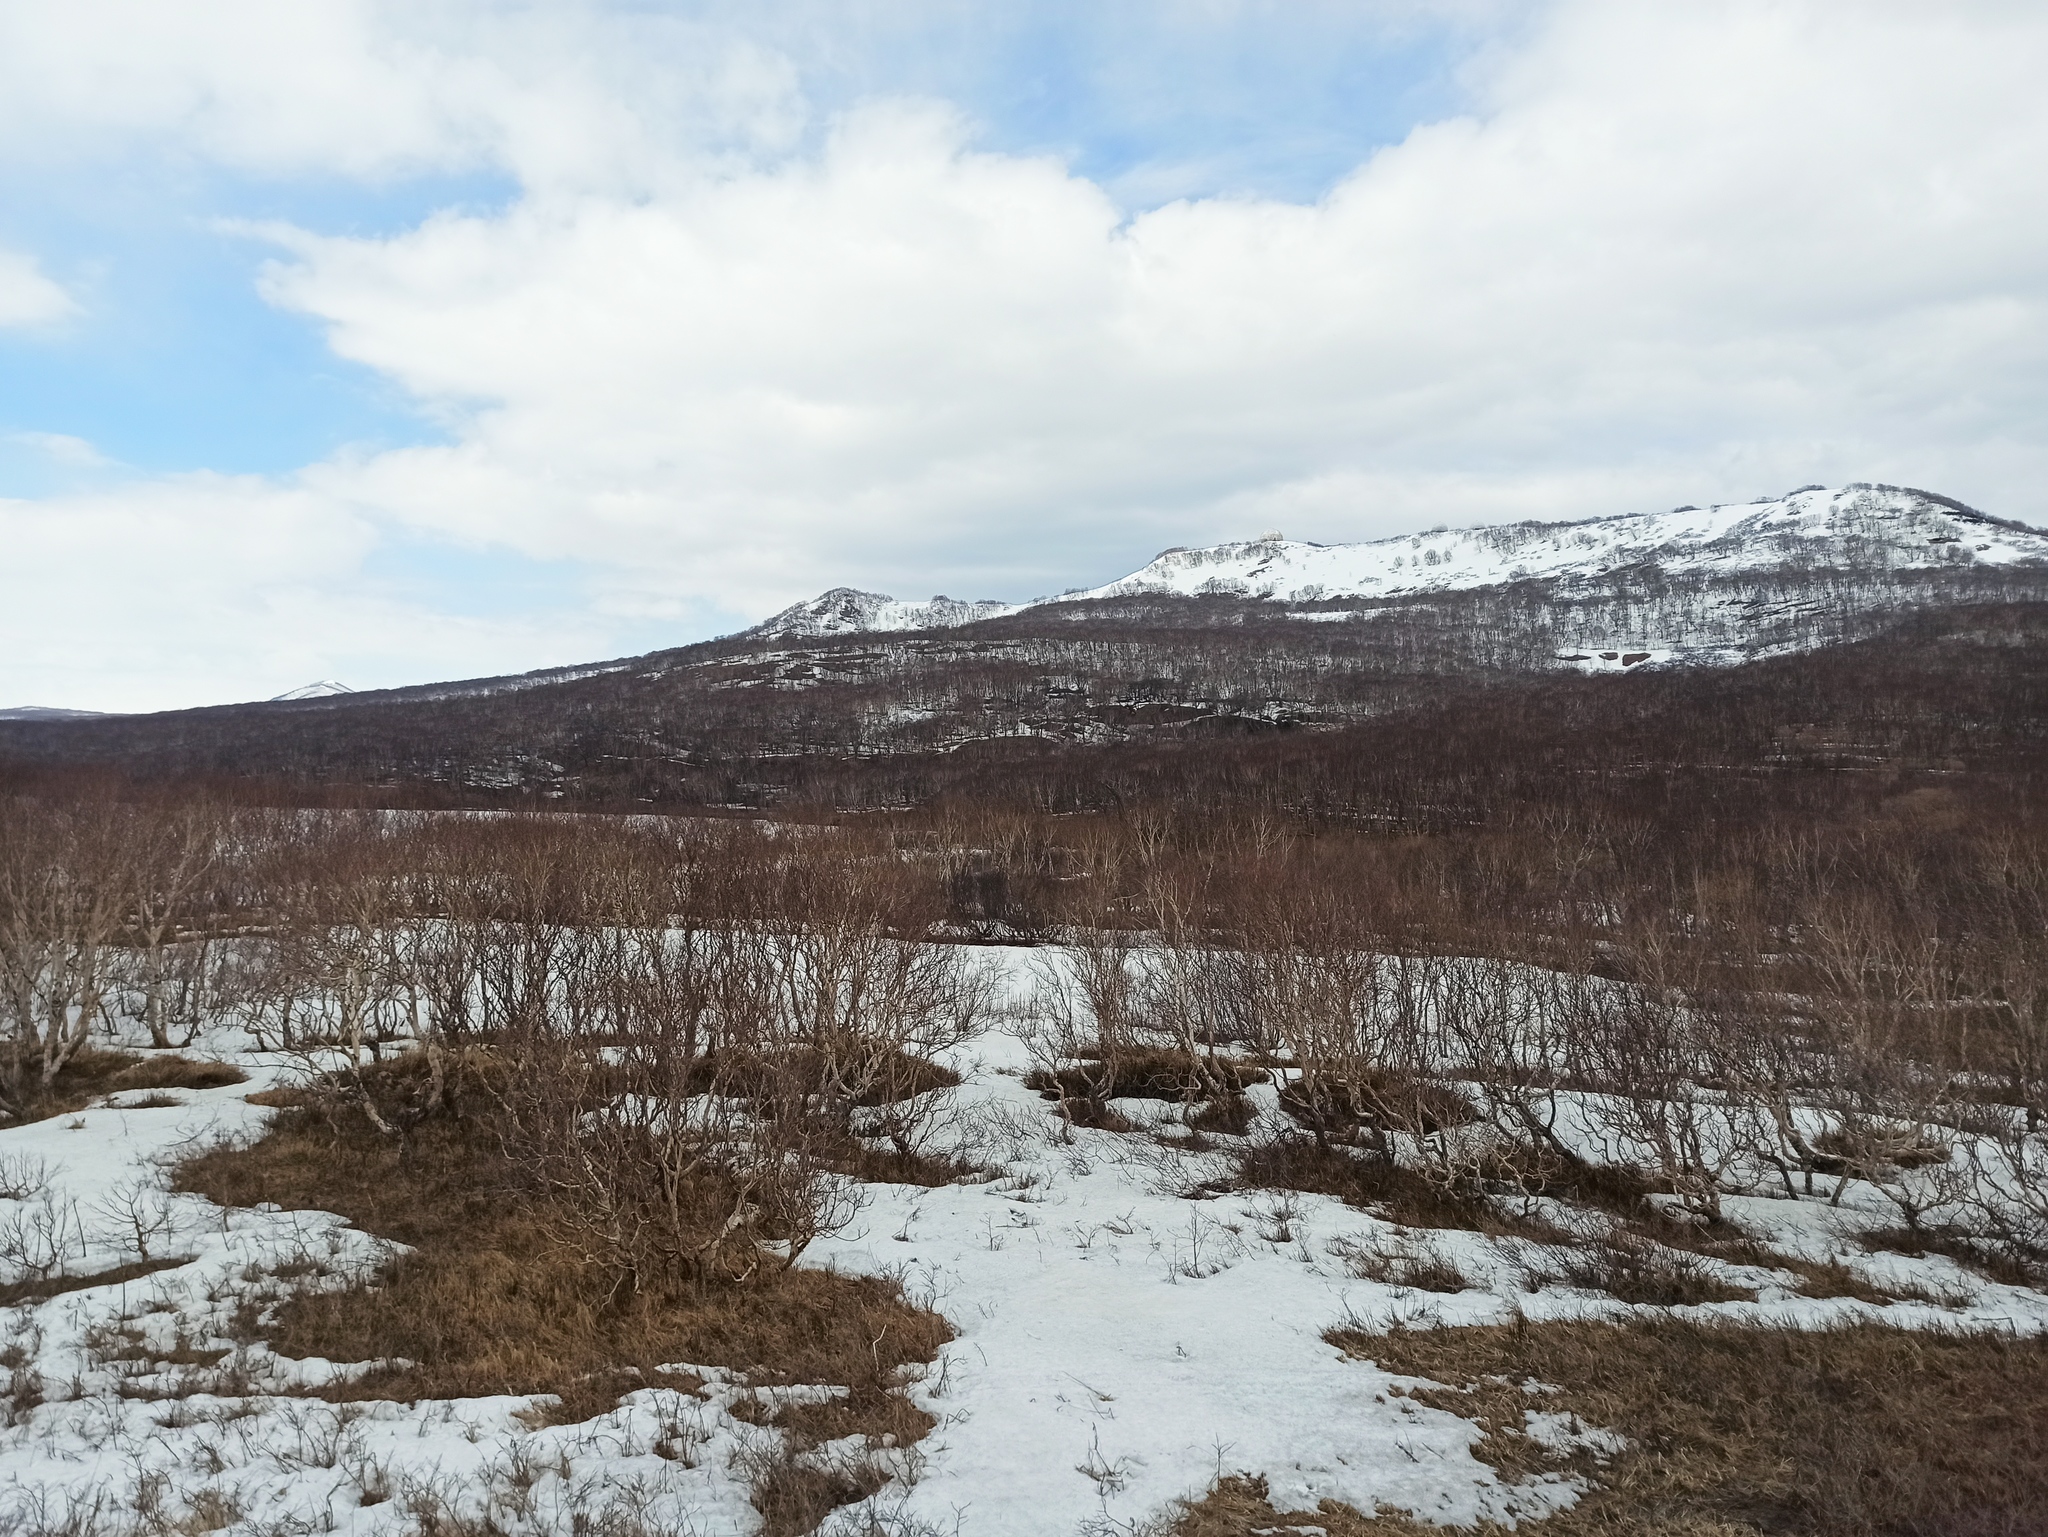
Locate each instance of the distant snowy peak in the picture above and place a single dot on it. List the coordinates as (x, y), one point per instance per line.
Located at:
(326, 688)
(1868, 529)
(1859, 528)
(847, 610)
(47, 712)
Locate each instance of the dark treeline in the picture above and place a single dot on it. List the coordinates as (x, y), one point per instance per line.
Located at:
(880, 719)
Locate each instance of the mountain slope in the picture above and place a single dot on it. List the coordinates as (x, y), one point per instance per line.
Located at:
(1870, 530)
(848, 610)
(1270, 638)
(1863, 528)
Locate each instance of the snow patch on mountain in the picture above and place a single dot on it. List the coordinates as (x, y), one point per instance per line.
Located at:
(1862, 528)
(326, 688)
(847, 610)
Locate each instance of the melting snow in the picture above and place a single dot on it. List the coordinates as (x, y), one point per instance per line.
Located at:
(1119, 1345)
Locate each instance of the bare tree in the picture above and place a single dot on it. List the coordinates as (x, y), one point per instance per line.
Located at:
(1668, 1078)
(2005, 962)
(1890, 1030)
(66, 886)
(177, 843)
(1085, 1024)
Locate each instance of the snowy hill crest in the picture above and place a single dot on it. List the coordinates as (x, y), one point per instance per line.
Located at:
(1862, 528)
(848, 610)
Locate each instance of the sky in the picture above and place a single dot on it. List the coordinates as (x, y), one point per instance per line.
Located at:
(397, 342)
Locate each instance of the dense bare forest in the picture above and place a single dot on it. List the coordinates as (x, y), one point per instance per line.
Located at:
(1886, 973)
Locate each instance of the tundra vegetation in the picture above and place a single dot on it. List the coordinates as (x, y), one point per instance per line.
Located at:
(609, 1078)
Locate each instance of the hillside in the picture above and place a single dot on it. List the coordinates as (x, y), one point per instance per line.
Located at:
(1233, 642)
(1630, 568)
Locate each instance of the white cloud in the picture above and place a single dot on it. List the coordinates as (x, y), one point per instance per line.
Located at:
(1671, 254)
(60, 448)
(561, 94)
(1674, 253)
(208, 588)
(27, 298)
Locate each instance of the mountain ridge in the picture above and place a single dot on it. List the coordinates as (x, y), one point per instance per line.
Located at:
(1864, 526)
(1242, 640)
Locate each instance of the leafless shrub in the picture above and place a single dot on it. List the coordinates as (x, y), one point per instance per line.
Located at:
(40, 1237)
(1419, 1266)
(1659, 1054)
(139, 1212)
(1886, 1016)
(22, 1176)
(1084, 1009)
(42, 1511)
(1634, 1270)
(66, 884)
(795, 1490)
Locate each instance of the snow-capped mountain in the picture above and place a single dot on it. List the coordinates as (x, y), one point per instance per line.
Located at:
(846, 610)
(326, 688)
(1870, 531)
(1861, 528)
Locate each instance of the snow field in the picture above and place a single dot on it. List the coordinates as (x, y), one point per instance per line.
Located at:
(1125, 1335)
(1856, 527)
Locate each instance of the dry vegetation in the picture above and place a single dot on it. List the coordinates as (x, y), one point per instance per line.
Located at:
(1856, 1432)
(1863, 1430)
(491, 1301)
(610, 1077)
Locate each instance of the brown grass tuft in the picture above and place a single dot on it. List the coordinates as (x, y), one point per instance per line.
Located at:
(1241, 1506)
(177, 1073)
(1639, 1271)
(1986, 1257)
(1378, 1184)
(56, 1286)
(155, 1099)
(1740, 1428)
(1422, 1268)
(489, 1302)
(81, 1080)
(1156, 1073)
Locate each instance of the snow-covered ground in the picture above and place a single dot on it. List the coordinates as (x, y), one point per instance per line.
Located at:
(1120, 1343)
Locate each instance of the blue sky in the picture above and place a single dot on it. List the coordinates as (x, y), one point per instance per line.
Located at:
(179, 364)
(393, 342)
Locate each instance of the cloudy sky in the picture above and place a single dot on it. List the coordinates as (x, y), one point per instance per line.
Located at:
(396, 342)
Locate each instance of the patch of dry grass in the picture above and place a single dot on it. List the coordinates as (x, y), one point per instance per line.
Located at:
(1160, 1072)
(1421, 1266)
(1830, 1278)
(97, 1071)
(176, 1072)
(1385, 1100)
(80, 1081)
(1992, 1260)
(17, 1292)
(1735, 1429)
(1639, 1271)
(1381, 1185)
(1241, 1506)
(490, 1302)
